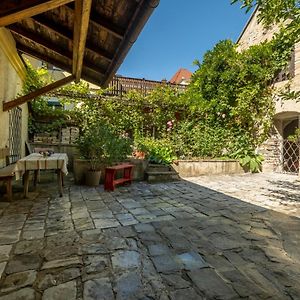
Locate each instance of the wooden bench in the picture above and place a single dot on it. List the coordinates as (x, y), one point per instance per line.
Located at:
(7, 172)
(110, 172)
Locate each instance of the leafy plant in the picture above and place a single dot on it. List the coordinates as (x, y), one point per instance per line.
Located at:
(100, 145)
(294, 137)
(158, 151)
(249, 160)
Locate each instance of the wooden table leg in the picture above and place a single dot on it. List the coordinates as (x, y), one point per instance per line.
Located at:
(9, 189)
(60, 182)
(36, 174)
(26, 183)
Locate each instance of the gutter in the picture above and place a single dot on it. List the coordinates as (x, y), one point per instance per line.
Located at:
(143, 12)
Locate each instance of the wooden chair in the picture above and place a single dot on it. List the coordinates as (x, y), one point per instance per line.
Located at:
(7, 171)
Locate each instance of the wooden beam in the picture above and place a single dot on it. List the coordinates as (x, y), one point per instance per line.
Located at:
(103, 22)
(56, 62)
(23, 99)
(96, 78)
(107, 25)
(37, 39)
(67, 34)
(32, 10)
(81, 25)
(42, 57)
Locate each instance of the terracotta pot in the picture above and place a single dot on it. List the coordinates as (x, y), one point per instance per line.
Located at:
(92, 178)
(139, 154)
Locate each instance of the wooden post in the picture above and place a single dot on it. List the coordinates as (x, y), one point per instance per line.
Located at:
(81, 24)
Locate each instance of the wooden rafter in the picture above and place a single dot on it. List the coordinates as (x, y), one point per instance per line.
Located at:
(31, 10)
(39, 40)
(39, 56)
(67, 34)
(102, 22)
(115, 30)
(50, 87)
(66, 55)
(81, 24)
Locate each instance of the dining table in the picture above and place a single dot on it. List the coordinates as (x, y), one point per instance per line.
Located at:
(36, 162)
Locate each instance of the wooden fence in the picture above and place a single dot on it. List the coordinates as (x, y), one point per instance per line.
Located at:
(121, 85)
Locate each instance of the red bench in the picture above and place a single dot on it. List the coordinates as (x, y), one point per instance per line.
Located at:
(110, 172)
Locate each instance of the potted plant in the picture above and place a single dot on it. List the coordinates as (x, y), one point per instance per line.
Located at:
(101, 146)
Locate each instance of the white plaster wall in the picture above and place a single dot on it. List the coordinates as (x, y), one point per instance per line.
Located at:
(10, 86)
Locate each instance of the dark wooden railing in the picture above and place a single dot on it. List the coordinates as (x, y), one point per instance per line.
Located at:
(121, 85)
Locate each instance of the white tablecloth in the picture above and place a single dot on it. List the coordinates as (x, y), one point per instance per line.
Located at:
(36, 161)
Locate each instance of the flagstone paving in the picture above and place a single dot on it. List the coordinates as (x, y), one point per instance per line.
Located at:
(173, 241)
(279, 192)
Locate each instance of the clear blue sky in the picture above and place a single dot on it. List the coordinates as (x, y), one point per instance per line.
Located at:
(178, 32)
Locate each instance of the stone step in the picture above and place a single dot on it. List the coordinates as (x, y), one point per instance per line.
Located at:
(153, 176)
(158, 168)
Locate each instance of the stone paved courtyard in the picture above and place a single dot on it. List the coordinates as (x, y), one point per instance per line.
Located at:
(178, 240)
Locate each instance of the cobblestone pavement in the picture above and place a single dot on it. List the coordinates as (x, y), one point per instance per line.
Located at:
(170, 241)
(280, 192)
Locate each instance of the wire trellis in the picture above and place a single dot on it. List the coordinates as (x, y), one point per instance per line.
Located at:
(15, 132)
(290, 156)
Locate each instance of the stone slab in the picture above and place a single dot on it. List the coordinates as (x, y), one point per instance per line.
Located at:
(18, 280)
(62, 263)
(23, 262)
(61, 292)
(4, 252)
(126, 259)
(23, 294)
(98, 289)
(211, 284)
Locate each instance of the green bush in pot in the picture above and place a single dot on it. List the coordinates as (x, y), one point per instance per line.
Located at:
(101, 146)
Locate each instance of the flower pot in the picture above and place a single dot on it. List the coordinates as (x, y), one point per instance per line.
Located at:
(139, 154)
(80, 167)
(92, 178)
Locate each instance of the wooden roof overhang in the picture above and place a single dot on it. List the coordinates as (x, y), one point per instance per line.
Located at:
(87, 38)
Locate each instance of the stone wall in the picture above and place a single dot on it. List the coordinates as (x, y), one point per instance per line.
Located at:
(253, 34)
(193, 168)
(271, 150)
(12, 74)
(67, 135)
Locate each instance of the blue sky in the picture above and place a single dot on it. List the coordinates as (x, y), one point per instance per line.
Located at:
(178, 32)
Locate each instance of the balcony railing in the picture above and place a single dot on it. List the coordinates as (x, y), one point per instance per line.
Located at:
(121, 85)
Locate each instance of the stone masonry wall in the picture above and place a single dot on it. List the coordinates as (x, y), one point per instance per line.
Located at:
(254, 33)
(271, 150)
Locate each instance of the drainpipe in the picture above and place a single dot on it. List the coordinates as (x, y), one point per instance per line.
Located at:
(143, 12)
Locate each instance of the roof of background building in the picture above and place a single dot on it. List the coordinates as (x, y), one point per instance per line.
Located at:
(181, 75)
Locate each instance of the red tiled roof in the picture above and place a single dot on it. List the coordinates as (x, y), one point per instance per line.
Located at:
(181, 74)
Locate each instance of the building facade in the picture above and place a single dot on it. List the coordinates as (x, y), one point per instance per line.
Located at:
(13, 123)
(280, 154)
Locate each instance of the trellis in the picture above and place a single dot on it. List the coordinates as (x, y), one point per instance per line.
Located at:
(290, 157)
(15, 133)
